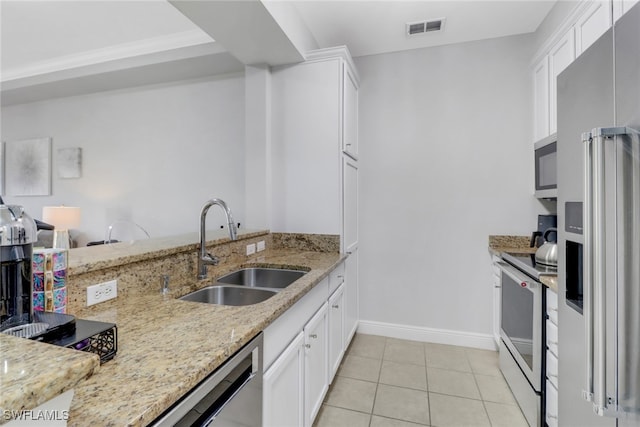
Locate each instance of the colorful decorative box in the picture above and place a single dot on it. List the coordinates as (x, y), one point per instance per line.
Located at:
(50, 280)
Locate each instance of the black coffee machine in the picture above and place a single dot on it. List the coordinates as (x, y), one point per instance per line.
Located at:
(17, 235)
(544, 223)
(18, 232)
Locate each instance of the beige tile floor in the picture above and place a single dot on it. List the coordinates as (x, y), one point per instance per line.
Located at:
(397, 383)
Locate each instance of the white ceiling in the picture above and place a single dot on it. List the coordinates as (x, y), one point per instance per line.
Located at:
(372, 27)
(39, 32)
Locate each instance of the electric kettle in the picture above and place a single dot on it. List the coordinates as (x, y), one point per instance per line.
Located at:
(547, 254)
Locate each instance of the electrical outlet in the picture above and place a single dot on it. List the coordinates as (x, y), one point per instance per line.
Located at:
(260, 246)
(102, 292)
(251, 249)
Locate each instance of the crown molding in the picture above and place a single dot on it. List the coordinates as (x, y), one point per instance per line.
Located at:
(110, 53)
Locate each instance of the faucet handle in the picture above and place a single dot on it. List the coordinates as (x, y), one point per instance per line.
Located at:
(211, 259)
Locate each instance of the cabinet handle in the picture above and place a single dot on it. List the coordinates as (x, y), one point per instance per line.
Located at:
(314, 336)
(348, 144)
(335, 306)
(340, 276)
(553, 342)
(497, 286)
(553, 417)
(307, 345)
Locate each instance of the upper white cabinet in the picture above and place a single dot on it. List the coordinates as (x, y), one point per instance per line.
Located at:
(562, 54)
(350, 114)
(592, 24)
(620, 7)
(541, 99)
(315, 145)
(589, 20)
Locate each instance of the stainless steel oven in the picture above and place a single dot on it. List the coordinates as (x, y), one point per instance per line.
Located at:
(522, 336)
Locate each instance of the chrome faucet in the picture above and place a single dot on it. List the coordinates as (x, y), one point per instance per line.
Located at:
(205, 258)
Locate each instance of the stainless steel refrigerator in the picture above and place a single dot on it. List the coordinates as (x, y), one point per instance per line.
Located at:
(599, 231)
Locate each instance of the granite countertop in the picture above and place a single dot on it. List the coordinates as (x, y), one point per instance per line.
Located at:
(167, 346)
(34, 372)
(519, 245)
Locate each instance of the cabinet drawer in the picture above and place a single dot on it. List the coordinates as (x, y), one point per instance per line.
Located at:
(552, 369)
(551, 416)
(552, 338)
(552, 306)
(336, 278)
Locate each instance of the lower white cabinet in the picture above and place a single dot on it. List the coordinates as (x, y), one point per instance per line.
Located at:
(336, 331)
(552, 383)
(497, 298)
(302, 351)
(316, 364)
(283, 387)
(351, 314)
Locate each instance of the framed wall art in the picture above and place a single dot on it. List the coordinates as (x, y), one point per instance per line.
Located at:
(69, 162)
(28, 167)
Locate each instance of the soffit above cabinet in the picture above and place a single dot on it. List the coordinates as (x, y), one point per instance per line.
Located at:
(58, 48)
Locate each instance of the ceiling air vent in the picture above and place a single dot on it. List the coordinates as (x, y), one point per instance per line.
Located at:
(415, 28)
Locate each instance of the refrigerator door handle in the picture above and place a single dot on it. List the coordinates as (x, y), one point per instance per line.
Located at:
(594, 267)
(587, 393)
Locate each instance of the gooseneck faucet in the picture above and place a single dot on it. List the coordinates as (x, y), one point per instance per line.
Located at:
(205, 258)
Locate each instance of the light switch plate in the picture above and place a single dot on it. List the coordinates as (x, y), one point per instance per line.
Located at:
(251, 249)
(260, 246)
(102, 292)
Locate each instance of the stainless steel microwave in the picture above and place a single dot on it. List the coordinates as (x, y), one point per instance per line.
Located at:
(546, 167)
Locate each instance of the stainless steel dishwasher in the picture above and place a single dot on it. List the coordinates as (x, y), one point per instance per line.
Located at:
(231, 396)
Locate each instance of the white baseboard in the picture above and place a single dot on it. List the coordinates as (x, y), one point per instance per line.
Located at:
(417, 333)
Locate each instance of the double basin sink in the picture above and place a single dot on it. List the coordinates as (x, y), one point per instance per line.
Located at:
(246, 286)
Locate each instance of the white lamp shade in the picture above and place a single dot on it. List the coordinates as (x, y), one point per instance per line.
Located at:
(61, 217)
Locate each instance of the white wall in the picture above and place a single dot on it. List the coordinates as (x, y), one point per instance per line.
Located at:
(446, 160)
(151, 154)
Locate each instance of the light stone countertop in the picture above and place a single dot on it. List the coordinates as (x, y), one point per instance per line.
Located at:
(519, 245)
(32, 373)
(167, 346)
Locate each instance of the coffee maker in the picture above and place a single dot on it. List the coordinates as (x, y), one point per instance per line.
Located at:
(17, 235)
(544, 223)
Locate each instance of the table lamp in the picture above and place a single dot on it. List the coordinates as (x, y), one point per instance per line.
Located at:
(62, 218)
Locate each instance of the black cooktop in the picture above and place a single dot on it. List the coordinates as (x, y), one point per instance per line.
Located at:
(528, 265)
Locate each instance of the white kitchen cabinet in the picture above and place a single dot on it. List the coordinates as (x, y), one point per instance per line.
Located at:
(562, 54)
(313, 109)
(350, 203)
(336, 331)
(350, 115)
(620, 7)
(551, 375)
(316, 364)
(592, 24)
(283, 387)
(351, 296)
(541, 99)
(497, 298)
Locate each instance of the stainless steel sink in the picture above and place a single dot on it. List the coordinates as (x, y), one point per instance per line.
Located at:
(262, 277)
(229, 295)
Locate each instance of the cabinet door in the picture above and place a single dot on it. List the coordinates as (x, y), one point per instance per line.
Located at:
(283, 387)
(620, 7)
(541, 99)
(350, 114)
(350, 204)
(562, 54)
(497, 300)
(592, 24)
(316, 365)
(351, 296)
(336, 331)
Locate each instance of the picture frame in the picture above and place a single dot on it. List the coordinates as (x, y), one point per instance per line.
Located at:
(28, 167)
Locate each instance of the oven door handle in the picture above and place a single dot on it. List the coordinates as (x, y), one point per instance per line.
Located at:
(523, 280)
